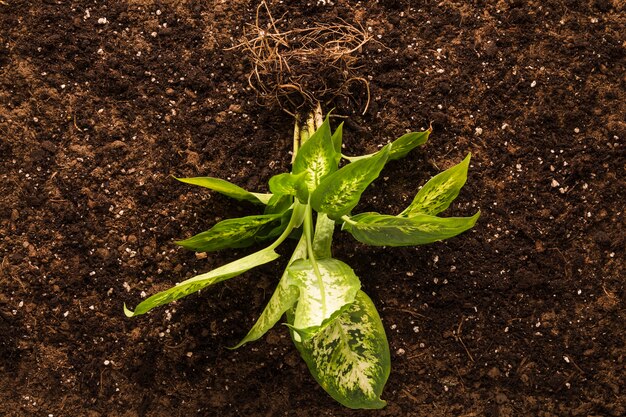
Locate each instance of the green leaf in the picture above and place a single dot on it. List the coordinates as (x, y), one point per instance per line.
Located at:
(350, 357)
(231, 233)
(340, 192)
(199, 282)
(322, 296)
(440, 191)
(317, 157)
(290, 184)
(406, 143)
(284, 297)
(399, 147)
(227, 188)
(323, 238)
(337, 139)
(278, 204)
(272, 230)
(384, 230)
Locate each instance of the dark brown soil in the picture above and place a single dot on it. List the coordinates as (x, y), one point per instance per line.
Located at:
(523, 316)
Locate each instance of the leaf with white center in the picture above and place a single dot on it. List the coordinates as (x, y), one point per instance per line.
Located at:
(317, 157)
(230, 233)
(350, 357)
(399, 147)
(199, 282)
(324, 291)
(440, 191)
(340, 192)
(384, 230)
(284, 297)
(227, 188)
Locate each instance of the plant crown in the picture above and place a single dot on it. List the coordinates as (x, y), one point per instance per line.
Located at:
(333, 323)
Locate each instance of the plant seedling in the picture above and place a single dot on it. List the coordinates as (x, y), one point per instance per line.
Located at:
(333, 323)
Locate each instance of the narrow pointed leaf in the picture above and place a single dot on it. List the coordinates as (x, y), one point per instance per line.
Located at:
(337, 138)
(323, 238)
(384, 230)
(406, 143)
(284, 297)
(317, 157)
(199, 282)
(399, 147)
(340, 192)
(321, 297)
(227, 188)
(440, 191)
(230, 233)
(350, 357)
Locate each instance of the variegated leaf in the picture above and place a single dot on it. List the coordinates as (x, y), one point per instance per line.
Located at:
(230, 233)
(284, 297)
(350, 357)
(199, 282)
(323, 292)
(337, 138)
(384, 230)
(340, 192)
(399, 147)
(440, 191)
(317, 157)
(227, 188)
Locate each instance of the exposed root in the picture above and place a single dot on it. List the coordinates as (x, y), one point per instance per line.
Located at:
(298, 68)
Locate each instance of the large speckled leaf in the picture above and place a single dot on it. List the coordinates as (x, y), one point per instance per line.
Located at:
(227, 188)
(323, 292)
(230, 233)
(199, 282)
(317, 157)
(340, 192)
(399, 147)
(349, 358)
(384, 230)
(284, 297)
(440, 191)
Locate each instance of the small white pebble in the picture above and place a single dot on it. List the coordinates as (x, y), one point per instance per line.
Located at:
(534, 83)
(189, 354)
(576, 130)
(21, 304)
(92, 308)
(555, 183)
(416, 329)
(143, 294)
(102, 21)
(107, 362)
(566, 359)
(67, 313)
(409, 274)
(158, 12)
(400, 351)
(478, 131)
(153, 34)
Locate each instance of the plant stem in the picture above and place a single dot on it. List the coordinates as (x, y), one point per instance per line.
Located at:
(308, 232)
(296, 218)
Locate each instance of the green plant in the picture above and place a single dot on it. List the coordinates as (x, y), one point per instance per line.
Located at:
(333, 324)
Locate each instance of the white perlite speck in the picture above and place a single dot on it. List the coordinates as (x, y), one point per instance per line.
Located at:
(103, 21)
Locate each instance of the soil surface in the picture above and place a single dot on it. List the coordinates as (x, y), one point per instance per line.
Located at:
(102, 101)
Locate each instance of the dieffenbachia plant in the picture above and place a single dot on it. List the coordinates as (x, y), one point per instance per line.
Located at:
(332, 322)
